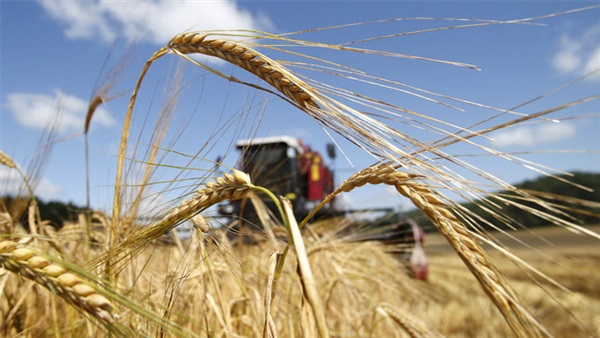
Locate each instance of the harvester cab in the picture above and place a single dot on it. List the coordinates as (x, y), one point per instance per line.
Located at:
(289, 168)
(286, 167)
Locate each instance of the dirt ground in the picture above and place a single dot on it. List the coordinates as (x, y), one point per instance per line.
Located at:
(544, 239)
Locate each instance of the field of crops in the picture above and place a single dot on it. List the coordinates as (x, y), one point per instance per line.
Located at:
(124, 271)
(567, 258)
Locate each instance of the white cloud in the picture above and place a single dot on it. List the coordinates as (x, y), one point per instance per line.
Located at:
(373, 197)
(579, 55)
(152, 204)
(47, 190)
(594, 61)
(530, 135)
(39, 110)
(12, 184)
(568, 58)
(553, 132)
(151, 21)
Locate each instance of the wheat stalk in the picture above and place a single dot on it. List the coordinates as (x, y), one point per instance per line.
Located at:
(305, 274)
(472, 254)
(70, 286)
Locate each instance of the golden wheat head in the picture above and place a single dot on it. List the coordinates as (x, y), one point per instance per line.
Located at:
(458, 236)
(70, 286)
(248, 59)
(6, 160)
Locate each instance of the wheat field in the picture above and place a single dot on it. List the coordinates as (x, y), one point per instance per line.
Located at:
(126, 272)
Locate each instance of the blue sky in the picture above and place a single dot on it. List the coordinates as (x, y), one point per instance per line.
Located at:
(53, 55)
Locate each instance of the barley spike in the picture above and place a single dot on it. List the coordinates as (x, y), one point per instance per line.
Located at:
(6, 160)
(68, 285)
(472, 254)
(248, 59)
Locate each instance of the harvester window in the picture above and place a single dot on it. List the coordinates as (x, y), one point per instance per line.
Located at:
(270, 167)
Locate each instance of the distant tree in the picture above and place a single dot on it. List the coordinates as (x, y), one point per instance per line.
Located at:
(56, 212)
(551, 189)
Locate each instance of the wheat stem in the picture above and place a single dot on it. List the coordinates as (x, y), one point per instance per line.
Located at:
(309, 286)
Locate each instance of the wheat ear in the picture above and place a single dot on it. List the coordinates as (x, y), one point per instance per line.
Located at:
(412, 326)
(228, 187)
(248, 59)
(70, 286)
(6, 160)
(472, 254)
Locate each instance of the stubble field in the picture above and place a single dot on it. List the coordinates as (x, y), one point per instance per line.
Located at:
(568, 258)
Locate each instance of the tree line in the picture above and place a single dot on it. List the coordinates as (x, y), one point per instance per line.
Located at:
(549, 190)
(56, 212)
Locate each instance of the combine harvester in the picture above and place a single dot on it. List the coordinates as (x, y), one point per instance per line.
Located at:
(289, 168)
